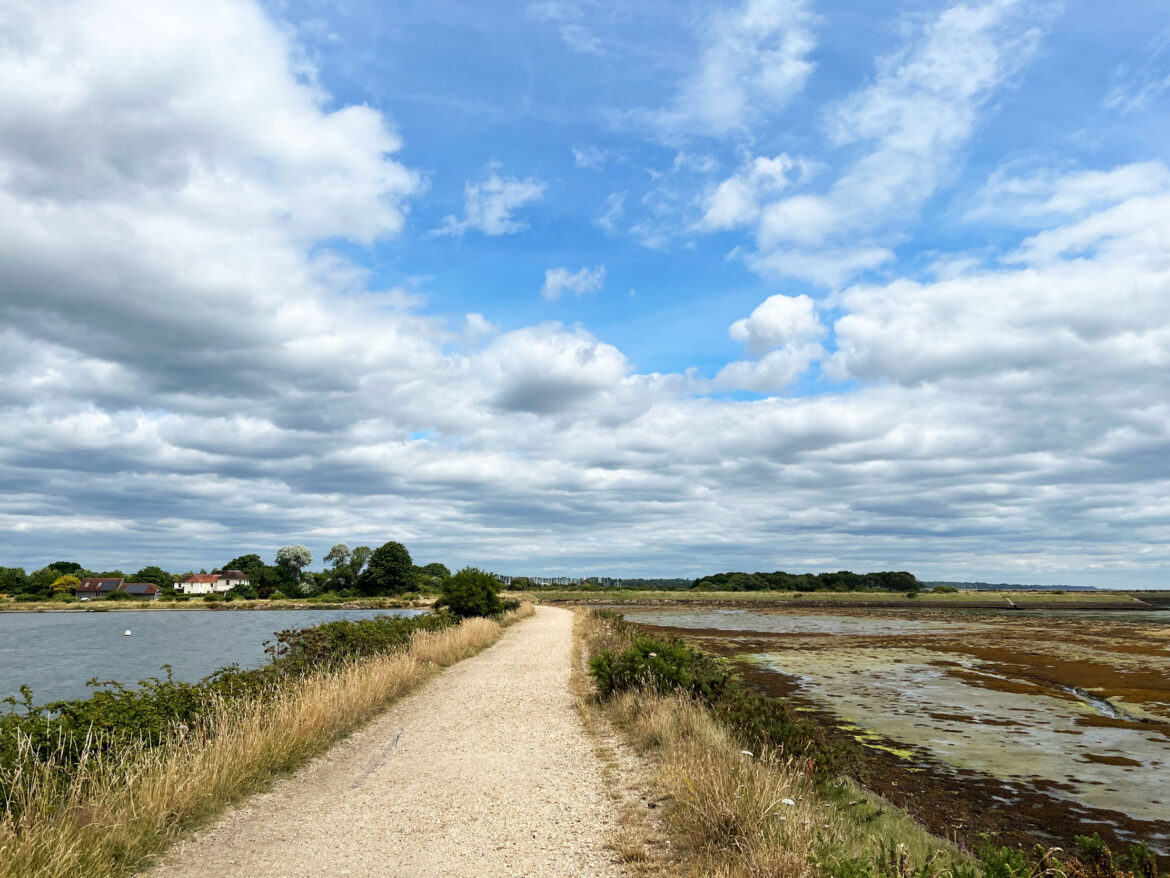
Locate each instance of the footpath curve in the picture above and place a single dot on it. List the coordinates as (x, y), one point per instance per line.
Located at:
(486, 770)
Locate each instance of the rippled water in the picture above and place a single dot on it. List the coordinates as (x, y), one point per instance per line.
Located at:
(56, 653)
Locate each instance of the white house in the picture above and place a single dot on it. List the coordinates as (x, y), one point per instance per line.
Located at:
(212, 583)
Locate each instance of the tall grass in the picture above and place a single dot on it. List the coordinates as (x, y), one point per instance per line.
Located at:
(118, 810)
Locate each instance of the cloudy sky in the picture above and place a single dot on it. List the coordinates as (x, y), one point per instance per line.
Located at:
(642, 288)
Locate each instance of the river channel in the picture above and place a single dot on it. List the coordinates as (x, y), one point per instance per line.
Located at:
(57, 653)
(1031, 726)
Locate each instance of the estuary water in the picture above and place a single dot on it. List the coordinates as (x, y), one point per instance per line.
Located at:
(56, 653)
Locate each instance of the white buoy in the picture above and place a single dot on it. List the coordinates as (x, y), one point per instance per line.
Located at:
(126, 632)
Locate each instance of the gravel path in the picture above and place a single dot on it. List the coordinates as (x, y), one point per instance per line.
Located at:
(485, 771)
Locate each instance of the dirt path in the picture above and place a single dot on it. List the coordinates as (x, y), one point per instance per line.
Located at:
(485, 771)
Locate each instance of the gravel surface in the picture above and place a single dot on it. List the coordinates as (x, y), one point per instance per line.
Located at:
(487, 770)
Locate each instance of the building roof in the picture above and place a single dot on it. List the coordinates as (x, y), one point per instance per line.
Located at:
(233, 574)
(139, 588)
(100, 584)
(201, 577)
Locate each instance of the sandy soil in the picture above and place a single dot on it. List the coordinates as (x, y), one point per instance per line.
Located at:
(485, 771)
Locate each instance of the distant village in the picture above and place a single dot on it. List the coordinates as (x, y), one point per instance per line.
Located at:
(194, 584)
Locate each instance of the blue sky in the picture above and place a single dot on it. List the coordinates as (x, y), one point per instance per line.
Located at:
(638, 288)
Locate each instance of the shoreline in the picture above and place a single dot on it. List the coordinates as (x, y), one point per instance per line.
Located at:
(216, 606)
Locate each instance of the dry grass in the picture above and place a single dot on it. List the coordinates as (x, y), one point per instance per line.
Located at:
(116, 815)
(736, 814)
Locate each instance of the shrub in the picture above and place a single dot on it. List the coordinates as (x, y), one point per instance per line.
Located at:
(63, 598)
(119, 596)
(243, 592)
(212, 598)
(471, 592)
(662, 665)
(944, 589)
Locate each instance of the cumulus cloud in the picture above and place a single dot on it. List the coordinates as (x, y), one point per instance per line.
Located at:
(489, 203)
(560, 280)
(755, 57)
(778, 321)
(736, 201)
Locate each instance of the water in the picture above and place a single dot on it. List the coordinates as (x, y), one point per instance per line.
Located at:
(56, 653)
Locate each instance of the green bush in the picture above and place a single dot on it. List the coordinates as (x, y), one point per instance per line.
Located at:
(471, 592)
(63, 598)
(119, 596)
(212, 598)
(662, 665)
(243, 592)
(944, 589)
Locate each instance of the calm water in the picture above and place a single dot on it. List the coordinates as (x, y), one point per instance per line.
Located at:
(56, 653)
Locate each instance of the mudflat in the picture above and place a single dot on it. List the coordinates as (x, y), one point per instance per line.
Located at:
(485, 771)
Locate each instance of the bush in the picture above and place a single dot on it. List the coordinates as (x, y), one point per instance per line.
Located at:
(471, 592)
(212, 598)
(30, 598)
(63, 598)
(243, 592)
(119, 596)
(662, 665)
(944, 589)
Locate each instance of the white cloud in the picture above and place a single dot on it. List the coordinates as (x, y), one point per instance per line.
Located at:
(921, 107)
(590, 157)
(1136, 88)
(736, 201)
(489, 203)
(1047, 195)
(771, 373)
(754, 59)
(611, 213)
(569, 19)
(779, 320)
(560, 280)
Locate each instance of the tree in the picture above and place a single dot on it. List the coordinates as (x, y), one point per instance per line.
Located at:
(471, 592)
(40, 581)
(156, 575)
(66, 584)
(13, 580)
(290, 561)
(432, 576)
(64, 567)
(389, 571)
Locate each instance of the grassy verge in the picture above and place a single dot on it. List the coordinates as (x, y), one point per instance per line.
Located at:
(96, 803)
(747, 789)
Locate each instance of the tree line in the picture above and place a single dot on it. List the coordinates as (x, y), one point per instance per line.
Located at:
(362, 571)
(842, 580)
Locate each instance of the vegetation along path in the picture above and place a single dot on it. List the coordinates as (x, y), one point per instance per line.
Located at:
(485, 771)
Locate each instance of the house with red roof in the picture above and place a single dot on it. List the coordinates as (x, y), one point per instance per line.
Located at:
(212, 583)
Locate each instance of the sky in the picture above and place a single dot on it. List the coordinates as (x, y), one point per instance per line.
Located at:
(581, 287)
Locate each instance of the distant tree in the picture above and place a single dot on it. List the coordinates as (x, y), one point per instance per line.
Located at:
(66, 584)
(13, 580)
(250, 564)
(41, 581)
(290, 561)
(471, 592)
(156, 575)
(522, 583)
(431, 576)
(243, 592)
(63, 567)
(389, 571)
